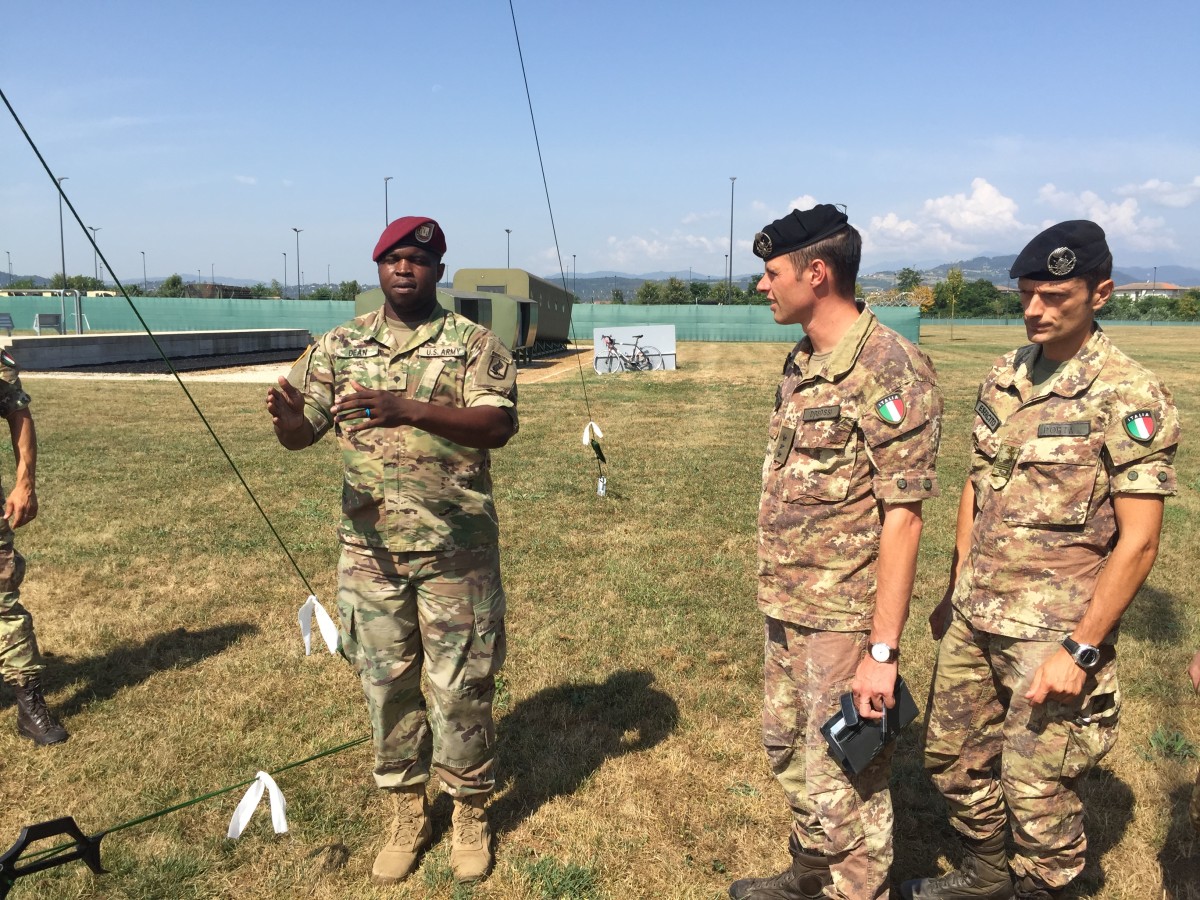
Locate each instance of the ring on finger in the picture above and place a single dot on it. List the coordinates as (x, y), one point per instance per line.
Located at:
(367, 412)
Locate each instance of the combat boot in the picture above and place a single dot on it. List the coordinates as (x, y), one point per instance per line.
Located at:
(1030, 888)
(34, 720)
(983, 875)
(805, 879)
(409, 833)
(471, 845)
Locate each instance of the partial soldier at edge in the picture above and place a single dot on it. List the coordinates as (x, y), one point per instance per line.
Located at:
(21, 663)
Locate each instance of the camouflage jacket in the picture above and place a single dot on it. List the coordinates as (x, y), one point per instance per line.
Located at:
(406, 489)
(860, 430)
(1045, 466)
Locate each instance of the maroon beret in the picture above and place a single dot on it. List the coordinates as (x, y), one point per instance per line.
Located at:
(412, 231)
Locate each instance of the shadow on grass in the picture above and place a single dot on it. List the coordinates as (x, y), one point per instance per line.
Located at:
(127, 665)
(1180, 855)
(555, 740)
(1154, 616)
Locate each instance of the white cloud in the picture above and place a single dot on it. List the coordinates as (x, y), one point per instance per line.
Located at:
(1164, 193)
(804, 201)
(245, 179)
(635, 249)
(1122, 220)
(951, 225)
(693, 217)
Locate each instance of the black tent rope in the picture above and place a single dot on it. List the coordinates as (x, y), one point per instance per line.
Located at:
(600, 460)
(92, 240)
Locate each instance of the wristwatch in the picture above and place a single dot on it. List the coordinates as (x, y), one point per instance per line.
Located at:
(1086, 656)
(882, 653)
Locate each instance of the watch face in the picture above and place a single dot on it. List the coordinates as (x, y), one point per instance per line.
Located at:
(1088, 657)
(881, 652)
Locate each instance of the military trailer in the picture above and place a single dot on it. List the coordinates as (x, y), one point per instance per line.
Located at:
(529, 314)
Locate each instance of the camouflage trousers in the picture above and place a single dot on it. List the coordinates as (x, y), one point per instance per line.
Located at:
(1000, 760)
(848, 818)
(438, 614)
(19, 656)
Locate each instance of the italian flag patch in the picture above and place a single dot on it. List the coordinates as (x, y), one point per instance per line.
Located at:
(891, 409)
(1141, 425)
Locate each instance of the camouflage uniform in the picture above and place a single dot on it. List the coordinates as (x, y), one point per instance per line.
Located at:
(1046, 464)
(419, 580)
(859, 430)
(19, 656)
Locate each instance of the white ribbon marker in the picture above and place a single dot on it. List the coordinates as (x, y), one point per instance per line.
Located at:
(588, 430)
(249, 803)
(328, 630)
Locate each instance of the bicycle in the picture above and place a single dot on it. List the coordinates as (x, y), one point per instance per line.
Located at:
(636, 359)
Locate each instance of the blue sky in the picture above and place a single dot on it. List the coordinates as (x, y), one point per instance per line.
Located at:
(203, 134)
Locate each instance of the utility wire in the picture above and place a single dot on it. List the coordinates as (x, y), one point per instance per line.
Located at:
(92, 240)
(549, 206)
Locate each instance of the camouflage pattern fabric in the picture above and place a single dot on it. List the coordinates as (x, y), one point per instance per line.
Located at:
(860, 429)
(440, 613)
(998, 759)
(848, 818)
(1045, 467)
(405, 489)
(19, 656)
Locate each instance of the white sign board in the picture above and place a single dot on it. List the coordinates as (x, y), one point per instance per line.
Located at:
(633, 348)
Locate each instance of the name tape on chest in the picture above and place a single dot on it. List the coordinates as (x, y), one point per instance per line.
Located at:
(442, 351)
(990, 419)
(820, 413)
(1064, 429)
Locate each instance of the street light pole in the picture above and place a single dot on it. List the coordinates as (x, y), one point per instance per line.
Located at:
(729, 286)
(284, 291)
(95, 254)
(386, 220)
(9, 255)
(299, 282)
(145, 282)
(62, 245)
(574, 276)
(508, 248)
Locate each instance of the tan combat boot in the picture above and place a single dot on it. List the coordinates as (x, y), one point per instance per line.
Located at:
(983, 875)
(471, 847)
(407, 837)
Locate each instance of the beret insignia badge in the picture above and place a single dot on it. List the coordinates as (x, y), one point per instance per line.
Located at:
(762, 245)
(424, 232)
(1061, 261)
(1141, 426)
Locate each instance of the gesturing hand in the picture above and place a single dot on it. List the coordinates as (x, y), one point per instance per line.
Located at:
(367, 408)
(286, 406)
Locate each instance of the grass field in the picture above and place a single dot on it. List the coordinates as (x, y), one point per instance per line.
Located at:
(629, 706)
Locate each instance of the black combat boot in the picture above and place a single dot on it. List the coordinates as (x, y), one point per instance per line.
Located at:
(1030, 888)
(34, 720)
(983, 875)
(803, 880)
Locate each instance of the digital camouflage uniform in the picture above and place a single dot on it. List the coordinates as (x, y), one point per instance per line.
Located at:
(19, 656)
(419, 579)
(1046, 464)
(859, 430)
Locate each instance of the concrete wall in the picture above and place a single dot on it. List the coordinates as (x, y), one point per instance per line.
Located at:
(63, 351)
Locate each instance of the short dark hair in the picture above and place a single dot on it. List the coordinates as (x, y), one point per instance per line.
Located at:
(1100, 274)
(842, 252)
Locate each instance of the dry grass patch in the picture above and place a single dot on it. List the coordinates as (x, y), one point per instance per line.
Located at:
(628, 709)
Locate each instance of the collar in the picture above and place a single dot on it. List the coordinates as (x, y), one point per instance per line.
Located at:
(1076, 376)
(843, 356)
(376, 328)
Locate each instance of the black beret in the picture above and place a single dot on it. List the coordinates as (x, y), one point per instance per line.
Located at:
(1062, 251)
(799, 228)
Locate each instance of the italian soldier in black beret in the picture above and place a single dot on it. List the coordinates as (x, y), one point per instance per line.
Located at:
(1058, 526)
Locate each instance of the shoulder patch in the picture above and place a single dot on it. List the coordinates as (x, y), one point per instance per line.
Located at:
(7, 359)
(498, 366)
(1141, 426)
(891, 409)
(990, 419)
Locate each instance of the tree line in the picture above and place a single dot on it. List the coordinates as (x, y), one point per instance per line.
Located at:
(175, 286)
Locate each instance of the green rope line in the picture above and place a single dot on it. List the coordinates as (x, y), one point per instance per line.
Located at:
(62, 848)
(92, 240)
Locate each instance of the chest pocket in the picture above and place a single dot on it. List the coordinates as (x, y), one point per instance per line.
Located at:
(1053, 481)
(364, 364)
(820, 466)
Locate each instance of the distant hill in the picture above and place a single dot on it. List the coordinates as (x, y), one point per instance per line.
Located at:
(995, 269)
